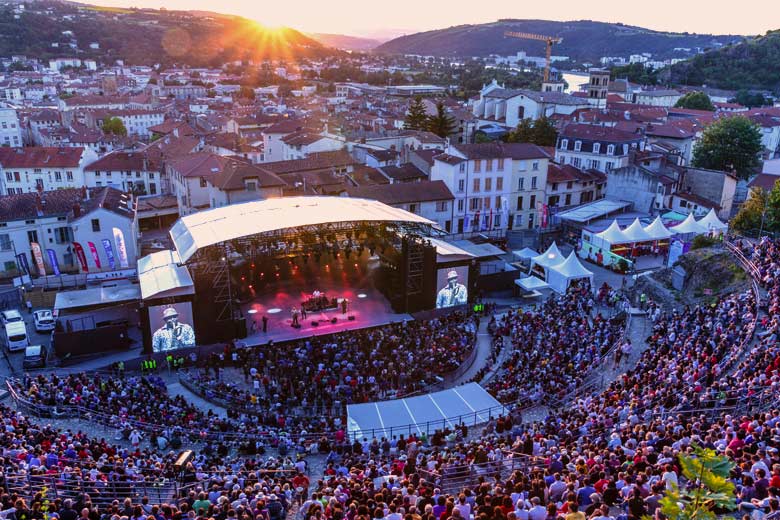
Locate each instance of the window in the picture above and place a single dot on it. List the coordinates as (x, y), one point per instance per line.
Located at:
(683, 203)
(486, 203)
(462, 167)
(530, 221)
(63, 235)
(497, 220)
(108, 174)
(203, 182)
(520, 183)
(577, 146)
(488, 184)
(412, 208)
(69, 176)
(475, 188)
(498, 202)
(500, 165)
(596, 147)
(518, 221)
(251, 186)
(97, 174)
(151, 175)
(152, 188)
(521, 166)
(610, 165)
(569, 185)
(499, 183)
(137, 175)
(98, 184)
(564, 144)
(568, 199)
(489, 165)
(575, 161)
(95, 225)
(625, 149)
(532, 203)
(17, 177)
(32, 235)
(58, 176)
(533, 183)
(5, 242)
(461, 185)
(519, 203)
(9, 176)
(596, 165)
(442, 206)
(461, 204)
(39, 184)
(477, 166)
(474, 204)
(610, 149)
(535, 166)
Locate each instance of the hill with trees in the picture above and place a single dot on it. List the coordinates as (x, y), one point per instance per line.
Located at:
(751, 64)
(582, 40)
(48, 29)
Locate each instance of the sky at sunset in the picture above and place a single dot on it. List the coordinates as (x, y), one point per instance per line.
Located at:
(388, 19)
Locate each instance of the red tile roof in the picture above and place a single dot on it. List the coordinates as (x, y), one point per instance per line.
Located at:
(40, 157)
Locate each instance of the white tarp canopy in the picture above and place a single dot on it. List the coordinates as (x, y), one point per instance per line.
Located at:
(470, 404)
(613, 235)
(161, 274)
(209, 227)
(657, 230)
(560, 276)
(636, 232)
(549, 258)
(531, 283)
(525, 254)
(689, 226)
(711, 222)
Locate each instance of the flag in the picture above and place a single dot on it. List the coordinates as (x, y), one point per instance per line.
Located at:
(545, 215)
(38, 256)
(109, 252)
(55, 265)
(81, 256)
(23, 263)
(121, 249)
(94, 252)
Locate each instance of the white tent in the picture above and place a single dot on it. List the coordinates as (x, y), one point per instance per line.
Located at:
(531, 283)
(525, 254)
(711, 222)
(561, 275)
(549, 258)
(657, 230)
(613, 235)
(637, 233)
(689, 226)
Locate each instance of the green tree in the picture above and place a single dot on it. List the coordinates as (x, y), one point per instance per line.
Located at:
(695, 101)
(523, 133)
(442, 124)
(541, 132)
(750, 100)
(751, 212)
(246, 93)
(114, 126)
(416, 118)
(732, 143)
(709, 489)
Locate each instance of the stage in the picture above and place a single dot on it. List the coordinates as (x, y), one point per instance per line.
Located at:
(341, 279)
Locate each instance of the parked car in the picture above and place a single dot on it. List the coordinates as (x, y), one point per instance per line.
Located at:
(44, 320)
(11, 316)
(35, 356)
(15, 335)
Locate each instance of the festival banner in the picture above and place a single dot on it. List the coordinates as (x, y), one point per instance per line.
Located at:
(121, 249)
(23, 263)
(38, 256)
(94, 252)
(55, 265)
(81, 256)
(109, 252)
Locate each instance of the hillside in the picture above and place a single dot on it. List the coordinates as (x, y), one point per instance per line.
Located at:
(344, 42)
(146, 36)
(582, 40)
(752, 64)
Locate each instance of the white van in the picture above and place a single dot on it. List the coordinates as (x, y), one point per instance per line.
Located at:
(16, 335)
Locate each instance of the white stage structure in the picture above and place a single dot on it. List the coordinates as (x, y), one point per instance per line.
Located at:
(657, 230)
(712, 223)
(468, 404)
(689, 226)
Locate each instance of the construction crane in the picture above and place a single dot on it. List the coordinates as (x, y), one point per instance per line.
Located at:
(539, 37)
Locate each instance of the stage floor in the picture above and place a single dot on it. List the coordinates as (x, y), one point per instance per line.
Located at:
(369, 307)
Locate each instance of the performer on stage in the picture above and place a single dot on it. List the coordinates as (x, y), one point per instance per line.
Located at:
(295, 317)
(344, 303)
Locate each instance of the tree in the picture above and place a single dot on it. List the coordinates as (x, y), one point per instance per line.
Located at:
(750, 100)
(416, 118)
(442, 124)
(114, 126)
(523, 133)
(695, 101)
(732, 143)
(541, 132)
(752, 211)
(246, 93)
(709, 491)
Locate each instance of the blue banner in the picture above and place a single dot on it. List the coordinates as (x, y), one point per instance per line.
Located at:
(55, 265)
(109, 252)
(24, 265)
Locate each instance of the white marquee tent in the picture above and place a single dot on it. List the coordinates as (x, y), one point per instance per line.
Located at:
(689, 226)
(637, 233)
(560, 276)
(549, 258)
(613, 235)
(712, 223)
(657, 230)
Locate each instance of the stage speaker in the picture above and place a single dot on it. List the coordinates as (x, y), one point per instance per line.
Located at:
(240, 326)
(334, 320)
(351, 317)
(315, 323)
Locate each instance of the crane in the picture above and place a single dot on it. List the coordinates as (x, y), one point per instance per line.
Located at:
(539, 37)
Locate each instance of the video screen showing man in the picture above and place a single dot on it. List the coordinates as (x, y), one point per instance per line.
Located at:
(452, 294)
(173, 334)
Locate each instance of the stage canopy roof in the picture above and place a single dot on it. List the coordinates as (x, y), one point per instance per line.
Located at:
(483, 250)
(593, 210)
(657, 230)
(86, 299)
(712, 223)
(636, 232)
(161, 275)
(549, 258)
(689, 226)
(206, 228)
(469, 403)
(614, 235)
